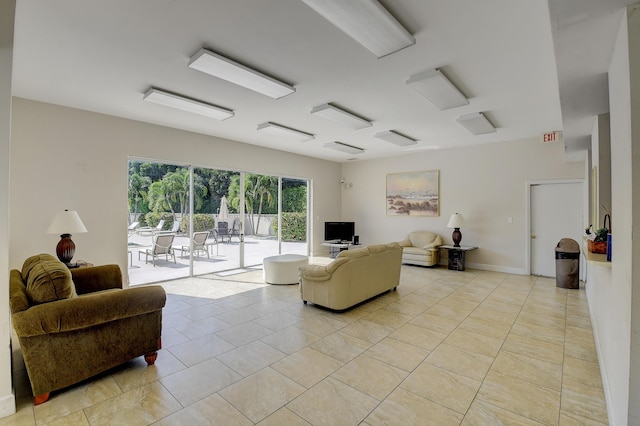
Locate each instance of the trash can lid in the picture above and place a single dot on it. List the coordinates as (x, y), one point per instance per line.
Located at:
(568, 245)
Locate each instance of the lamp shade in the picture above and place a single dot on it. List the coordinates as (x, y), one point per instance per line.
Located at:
(66, 222)
(456, 221)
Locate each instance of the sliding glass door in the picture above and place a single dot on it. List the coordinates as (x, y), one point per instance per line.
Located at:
(261, 210)
(215, 212)
(210, 220)
(294, 217)
(159, 196)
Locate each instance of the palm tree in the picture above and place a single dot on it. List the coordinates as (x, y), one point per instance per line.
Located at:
(159, 198)
(260, 192)
(138, 187)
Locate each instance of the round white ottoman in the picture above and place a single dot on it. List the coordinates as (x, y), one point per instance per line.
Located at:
(283, 269)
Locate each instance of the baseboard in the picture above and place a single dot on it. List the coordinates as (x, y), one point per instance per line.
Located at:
(495, 268)
(603, 371)
(490, 268)
(7, 405)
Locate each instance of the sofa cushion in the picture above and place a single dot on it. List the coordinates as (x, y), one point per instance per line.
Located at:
(47, 279)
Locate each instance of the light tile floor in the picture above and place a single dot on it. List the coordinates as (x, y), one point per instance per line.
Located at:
(471, 348)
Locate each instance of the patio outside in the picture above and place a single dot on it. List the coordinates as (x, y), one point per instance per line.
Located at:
(224, 257)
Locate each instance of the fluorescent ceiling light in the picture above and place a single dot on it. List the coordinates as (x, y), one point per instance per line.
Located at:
(338, 115)
(395, 138)
(367, 22)
(476, 123)
(434, 86)
(278, 130)
(186, 104)
(339, 146)
(219, 66)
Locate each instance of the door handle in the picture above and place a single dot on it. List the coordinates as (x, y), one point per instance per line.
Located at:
(533, 236)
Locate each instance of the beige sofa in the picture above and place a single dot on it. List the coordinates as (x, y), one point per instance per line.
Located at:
(421, 248)
(353, 277)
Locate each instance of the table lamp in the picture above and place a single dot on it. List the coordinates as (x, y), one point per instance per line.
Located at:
(65, 223)
(456, 222)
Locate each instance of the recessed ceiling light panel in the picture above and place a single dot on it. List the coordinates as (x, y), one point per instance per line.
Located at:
(437, 88)
(339, 146)
(476, 123)
(287, 132)
(367, 22)
(395, 138)
(186, 104)
(333, 113)
(227, 69)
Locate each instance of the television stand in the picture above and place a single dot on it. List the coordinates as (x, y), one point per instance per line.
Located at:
(336, 247)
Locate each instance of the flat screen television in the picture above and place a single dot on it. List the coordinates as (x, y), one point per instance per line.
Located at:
(343, 231)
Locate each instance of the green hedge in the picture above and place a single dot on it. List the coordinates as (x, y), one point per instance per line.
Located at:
(152, 219)
(294, 226)
(201, 222)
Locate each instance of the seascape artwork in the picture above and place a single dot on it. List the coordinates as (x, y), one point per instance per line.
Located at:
(413, 194)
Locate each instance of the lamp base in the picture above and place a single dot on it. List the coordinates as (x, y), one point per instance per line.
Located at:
(456, 237)
(65, 249)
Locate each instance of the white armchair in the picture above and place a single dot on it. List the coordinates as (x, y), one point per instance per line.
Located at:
(421, 248)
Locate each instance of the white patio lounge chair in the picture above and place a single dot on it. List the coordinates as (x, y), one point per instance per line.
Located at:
(151, 229)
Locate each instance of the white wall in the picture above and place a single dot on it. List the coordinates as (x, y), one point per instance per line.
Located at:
(613, 303)
(486, 184)
(627, 182)
(7, 14)
(67, 158)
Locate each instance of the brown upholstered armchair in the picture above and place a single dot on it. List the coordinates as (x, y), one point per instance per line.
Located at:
(74, 325)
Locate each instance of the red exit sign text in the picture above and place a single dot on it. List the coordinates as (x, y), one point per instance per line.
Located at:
(550, 137)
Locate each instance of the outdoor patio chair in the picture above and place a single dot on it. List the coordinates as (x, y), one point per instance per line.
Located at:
(222, 231)
(235, 229)
(161, 247)
(132, 229)
(150, 229)
(176, 227)
(199, 244)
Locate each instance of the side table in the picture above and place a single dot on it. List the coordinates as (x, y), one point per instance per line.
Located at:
(457, 256)
(82, 264)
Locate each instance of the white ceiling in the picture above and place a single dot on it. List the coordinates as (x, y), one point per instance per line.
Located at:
(103, 55)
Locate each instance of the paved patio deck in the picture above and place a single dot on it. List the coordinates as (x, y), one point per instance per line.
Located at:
(224, 258)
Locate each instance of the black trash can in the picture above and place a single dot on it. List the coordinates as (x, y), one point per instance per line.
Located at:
(568, 264)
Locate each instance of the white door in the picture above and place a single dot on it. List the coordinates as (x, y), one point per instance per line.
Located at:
(556, 213)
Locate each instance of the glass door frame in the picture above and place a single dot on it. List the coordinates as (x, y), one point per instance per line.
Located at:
(191, 167)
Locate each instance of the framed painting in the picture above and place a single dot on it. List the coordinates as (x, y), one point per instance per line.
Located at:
(413, 193)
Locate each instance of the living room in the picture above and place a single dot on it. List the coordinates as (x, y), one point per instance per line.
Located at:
(66, 157)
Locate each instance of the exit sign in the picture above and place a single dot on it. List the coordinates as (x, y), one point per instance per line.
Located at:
(551, 137)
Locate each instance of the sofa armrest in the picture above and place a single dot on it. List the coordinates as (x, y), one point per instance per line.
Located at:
(405, 243)
(321, 272)
(86, 311)
(96, 278)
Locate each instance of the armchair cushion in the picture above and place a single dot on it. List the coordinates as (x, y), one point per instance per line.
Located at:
(425, 239)
(47, 279)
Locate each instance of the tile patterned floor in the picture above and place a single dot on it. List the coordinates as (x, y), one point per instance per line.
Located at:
(470, 348)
